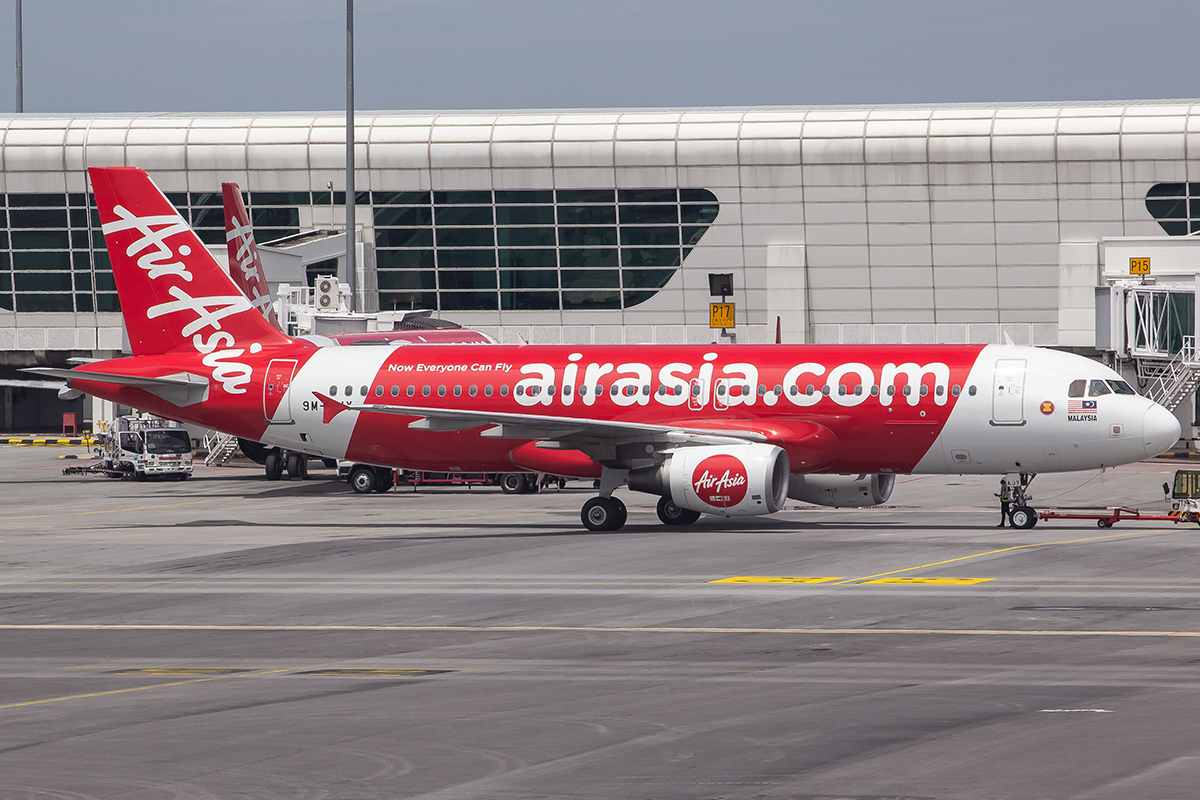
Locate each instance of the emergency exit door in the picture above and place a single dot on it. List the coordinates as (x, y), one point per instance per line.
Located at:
(1008, 392)
(277, 408)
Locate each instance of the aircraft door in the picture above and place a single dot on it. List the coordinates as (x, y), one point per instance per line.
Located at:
(1008, 392)
(276, 403)
(697, 394)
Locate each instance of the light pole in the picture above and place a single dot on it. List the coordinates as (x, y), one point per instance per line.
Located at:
(20, 66)
(350, 227)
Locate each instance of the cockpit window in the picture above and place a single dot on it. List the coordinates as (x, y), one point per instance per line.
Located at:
(1077, 388)
(1097, 388)
(1121, 387)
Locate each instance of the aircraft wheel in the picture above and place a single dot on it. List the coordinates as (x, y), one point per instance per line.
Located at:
(671, 514)
(622, 514)
(362, 479)
(295, 466)
(603, 514)
(1023, 517)
(512, 483)
(274, 465)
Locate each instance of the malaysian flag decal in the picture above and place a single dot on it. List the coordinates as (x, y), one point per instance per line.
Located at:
(1081, 406)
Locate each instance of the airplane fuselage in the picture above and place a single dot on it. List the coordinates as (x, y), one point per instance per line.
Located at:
(860, 409)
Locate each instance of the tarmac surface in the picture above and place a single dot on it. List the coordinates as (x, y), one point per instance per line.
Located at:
(233, 638)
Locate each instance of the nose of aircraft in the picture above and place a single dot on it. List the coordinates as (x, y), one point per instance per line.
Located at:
(1160, 430)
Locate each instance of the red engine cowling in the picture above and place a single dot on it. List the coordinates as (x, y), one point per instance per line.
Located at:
(734, 481)
(842, 491)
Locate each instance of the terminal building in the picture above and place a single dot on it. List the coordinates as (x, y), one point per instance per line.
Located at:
(1057, 225)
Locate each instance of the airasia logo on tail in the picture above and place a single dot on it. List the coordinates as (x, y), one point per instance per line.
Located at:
(155, 255)
(720, 481)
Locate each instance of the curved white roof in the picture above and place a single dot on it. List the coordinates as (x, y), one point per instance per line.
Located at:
(290, 144)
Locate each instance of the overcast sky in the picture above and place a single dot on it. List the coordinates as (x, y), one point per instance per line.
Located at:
(289, 55)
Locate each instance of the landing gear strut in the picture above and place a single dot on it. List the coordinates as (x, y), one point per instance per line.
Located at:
(606, 513)
(1021, 515)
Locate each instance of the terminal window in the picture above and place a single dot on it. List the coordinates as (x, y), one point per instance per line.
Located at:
(454, 250)
(533, 249)
(1176, 207)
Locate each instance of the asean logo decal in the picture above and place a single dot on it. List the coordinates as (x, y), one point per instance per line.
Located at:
(720, 481)
(1047, 407)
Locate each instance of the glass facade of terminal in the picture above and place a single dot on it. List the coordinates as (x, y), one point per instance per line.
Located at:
(52, 253)
(1176, 206)
(533, 250)
(452, 251)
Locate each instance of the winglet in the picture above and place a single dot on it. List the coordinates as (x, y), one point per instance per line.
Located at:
(330, 408)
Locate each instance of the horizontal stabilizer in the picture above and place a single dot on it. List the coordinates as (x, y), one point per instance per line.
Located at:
(179, 388)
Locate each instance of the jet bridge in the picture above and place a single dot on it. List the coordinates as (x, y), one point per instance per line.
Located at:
(1146, 312)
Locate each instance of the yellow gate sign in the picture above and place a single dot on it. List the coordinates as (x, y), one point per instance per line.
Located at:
(1139, 266)
(720, 315)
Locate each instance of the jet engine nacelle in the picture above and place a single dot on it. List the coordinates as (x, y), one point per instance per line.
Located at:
(733, 481)
(842, 491)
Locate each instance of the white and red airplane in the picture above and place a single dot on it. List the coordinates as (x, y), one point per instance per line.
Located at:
(731, 430)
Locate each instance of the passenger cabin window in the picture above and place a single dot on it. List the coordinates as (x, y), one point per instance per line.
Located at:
(1098, 388)
(1121, 387)
(1076, 389)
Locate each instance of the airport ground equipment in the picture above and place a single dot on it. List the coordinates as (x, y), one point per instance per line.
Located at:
(1106, 518)
(139, 446)
(528, 482)
(219, 448)
(367, 478)
(1182, 495)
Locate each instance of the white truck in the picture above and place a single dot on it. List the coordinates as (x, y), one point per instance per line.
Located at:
(141, 445)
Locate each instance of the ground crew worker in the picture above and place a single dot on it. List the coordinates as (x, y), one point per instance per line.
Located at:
(1005, 495)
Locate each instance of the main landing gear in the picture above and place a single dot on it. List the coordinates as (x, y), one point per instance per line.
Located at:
(1021, 515)
(671, 514)
(606, 513)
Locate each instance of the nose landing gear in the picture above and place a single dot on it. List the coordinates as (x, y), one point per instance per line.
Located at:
(1021, 515)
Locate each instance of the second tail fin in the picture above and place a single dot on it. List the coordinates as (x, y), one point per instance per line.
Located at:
(245, 266)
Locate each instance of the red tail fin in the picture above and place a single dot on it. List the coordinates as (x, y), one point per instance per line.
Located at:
(245, 267)
(173, 293)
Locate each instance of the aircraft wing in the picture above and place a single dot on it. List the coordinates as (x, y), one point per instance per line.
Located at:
(809, 444)
(545, 427)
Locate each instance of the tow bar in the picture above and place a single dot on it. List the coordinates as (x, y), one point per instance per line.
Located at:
(1108, 517)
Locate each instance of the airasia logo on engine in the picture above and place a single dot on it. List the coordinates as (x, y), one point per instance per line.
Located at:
(720, 481)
